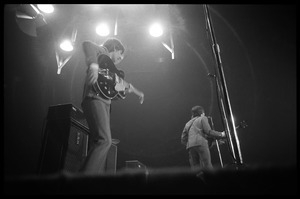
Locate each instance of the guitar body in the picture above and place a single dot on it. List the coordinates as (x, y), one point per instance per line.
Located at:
(211, 140)
(106, 81)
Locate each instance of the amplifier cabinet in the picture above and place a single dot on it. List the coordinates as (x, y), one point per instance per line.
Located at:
(111, 160)
(65, 140)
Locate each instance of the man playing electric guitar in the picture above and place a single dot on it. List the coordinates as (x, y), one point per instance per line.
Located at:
(111, 83)
(194, 137)
(103, 83)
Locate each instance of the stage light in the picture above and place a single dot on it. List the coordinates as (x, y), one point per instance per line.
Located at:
(156, 30)
(64, 54)
(66, 45)
(46, 8)
(102, 30)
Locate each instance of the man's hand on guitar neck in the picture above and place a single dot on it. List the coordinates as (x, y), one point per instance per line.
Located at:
(223, 135)
(137, 92)
(122, 85)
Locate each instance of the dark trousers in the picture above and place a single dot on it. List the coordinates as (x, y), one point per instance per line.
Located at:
(199, 158)
(97, 114)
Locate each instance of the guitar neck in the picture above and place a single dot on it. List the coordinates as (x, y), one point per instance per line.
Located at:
(126, 84)
(131, 88)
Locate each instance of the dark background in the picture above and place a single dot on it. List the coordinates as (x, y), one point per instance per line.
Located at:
(258, 52)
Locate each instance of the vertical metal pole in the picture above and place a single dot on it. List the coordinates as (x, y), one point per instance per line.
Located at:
(228, 120)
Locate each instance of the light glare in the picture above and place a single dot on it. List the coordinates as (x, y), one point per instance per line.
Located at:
(102, 30)
(47, 8)
(156, 30)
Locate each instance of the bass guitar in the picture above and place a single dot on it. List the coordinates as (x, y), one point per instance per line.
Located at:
(111, 83)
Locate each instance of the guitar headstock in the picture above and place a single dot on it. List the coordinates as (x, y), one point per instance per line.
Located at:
(243, 124)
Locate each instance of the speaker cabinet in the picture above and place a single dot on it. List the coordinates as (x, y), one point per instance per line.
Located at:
(65, 141)
(135, 164)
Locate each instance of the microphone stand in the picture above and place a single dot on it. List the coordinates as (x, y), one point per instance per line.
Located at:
(224, 102)
(217, 142)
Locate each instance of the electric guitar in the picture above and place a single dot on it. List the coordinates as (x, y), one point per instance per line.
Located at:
(111, 83)
(211, 140)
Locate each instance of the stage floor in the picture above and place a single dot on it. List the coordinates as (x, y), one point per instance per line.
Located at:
(166, 181)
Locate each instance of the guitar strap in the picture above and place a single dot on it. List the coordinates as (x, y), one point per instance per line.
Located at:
(191, 125)
(201, 131)
(187, 135)
(121, 74)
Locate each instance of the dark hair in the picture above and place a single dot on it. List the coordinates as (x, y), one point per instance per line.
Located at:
(114, 44)
(197, 110)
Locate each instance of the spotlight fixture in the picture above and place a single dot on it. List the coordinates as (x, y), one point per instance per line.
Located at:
(29, 18)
